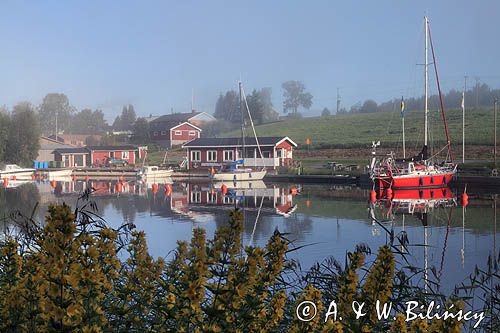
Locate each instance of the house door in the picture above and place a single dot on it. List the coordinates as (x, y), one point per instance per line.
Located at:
(79, 160)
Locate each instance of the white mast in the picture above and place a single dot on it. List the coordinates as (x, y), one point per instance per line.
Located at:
(463, 127)
(426, 65)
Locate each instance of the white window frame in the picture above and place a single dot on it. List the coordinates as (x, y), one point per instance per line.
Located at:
(195, 197)
(228, 200)
(163, 132)
(125, 155)
(178, 133)
(198, 155)
(155, 133)
(214, 159)
(226, 159)
(192, 133)
(212, 197)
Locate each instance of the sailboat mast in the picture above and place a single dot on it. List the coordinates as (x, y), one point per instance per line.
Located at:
(426, 79)
(242, 123)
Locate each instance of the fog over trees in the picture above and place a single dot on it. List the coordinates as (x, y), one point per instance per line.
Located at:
(480, 95)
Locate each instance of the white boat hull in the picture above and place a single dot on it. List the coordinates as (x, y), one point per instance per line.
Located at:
(59, 174)
(239, 176)
(157, 174)
(17, 175)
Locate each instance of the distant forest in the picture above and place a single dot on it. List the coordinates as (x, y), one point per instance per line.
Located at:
(479, 96)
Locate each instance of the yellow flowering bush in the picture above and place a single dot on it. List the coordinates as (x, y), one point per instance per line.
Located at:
(78, 275)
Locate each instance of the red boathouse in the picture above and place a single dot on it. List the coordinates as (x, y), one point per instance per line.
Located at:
(207, 153)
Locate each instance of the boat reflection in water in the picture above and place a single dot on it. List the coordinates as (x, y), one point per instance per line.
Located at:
(419, 203)
(250, 196)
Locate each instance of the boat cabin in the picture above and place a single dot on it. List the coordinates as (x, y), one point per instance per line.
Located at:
(208, 153)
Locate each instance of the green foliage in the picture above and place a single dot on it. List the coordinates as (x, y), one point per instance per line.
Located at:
(227, 107)
(88, 122)
(359, 130)
(67, 276)
(295, 96)
(141, 131)
(22, 143)
(326, 113)
(125, 121)
(55, 105)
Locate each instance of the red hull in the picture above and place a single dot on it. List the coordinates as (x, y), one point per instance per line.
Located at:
(430, 181)
(415, 182)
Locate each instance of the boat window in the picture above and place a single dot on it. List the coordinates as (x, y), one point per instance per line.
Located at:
(212, 155)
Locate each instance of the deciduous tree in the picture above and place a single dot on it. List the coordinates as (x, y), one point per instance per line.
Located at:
(295, 96)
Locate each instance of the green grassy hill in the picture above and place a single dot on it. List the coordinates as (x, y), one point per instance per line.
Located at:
(359, 130)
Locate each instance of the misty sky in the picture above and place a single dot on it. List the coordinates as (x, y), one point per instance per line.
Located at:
(104, 54)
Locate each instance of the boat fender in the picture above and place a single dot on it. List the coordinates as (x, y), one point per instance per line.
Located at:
(465, 199)
(421, 194)
(432, 180)
(421, 181)
(444, 179)
(224, 189)
(6, 182)
(373, 196)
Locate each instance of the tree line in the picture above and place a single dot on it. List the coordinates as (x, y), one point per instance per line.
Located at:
(480, 95)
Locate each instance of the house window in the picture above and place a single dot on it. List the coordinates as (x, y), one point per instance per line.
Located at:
(178, 132)
(212, 155)
(266, 154)
(228, 155)
(125, 155)
(163, 132)
(155, 133)
(192, 133)
(195, 156)
(228, 199)
(195, 197)
(212, 198)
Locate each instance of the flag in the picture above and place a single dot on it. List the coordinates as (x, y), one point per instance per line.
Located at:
(402, 107)
(463, 100)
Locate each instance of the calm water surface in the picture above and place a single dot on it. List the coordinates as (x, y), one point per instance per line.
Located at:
(330, 220)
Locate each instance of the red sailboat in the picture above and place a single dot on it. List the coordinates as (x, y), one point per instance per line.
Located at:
(419, 171)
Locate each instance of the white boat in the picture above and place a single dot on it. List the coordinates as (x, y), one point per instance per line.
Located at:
(231, 171)
(153, 172)
(238, 175)
(62, 174)
(15, 171)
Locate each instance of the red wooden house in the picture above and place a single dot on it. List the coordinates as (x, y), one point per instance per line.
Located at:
(207, 153)
(100, 155)
(97, 155)
(178, 128)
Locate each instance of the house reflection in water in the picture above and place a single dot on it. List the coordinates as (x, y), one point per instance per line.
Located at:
(251, 196)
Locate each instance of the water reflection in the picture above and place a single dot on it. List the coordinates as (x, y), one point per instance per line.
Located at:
(332, 220)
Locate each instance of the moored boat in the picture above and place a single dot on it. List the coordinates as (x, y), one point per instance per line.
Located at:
(419, 171)
(14, 171)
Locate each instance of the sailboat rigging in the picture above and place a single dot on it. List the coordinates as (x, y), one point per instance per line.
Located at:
(419, 171)
(238, 170)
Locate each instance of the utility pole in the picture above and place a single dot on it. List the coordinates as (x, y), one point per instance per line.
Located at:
(477, 91)
(338, 100)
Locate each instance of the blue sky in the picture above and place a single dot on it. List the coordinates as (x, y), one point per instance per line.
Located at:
(104, 54)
